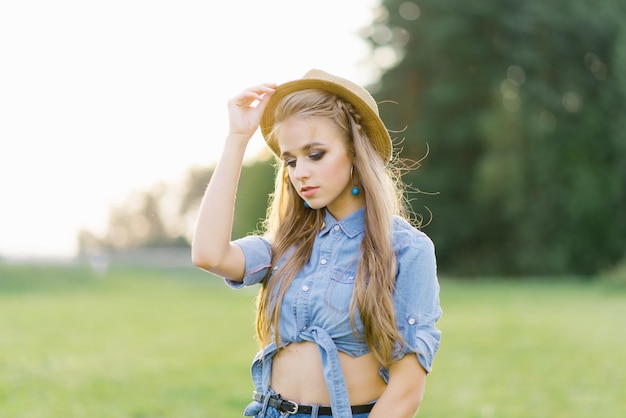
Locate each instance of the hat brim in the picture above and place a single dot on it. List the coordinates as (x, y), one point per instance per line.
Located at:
(371, 121)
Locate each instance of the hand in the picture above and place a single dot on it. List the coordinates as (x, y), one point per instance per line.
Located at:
(246, 108)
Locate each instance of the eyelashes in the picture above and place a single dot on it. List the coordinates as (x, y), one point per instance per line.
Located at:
(314, 156)
(317, 155)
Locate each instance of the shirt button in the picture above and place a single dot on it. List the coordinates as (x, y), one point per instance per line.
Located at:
(305, 288)
(323, 261)
(336, 228)
(411, 321)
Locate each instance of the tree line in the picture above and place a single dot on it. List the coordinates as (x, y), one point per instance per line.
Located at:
(516, 111)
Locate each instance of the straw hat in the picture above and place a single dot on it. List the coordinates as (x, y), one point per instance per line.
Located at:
(356, 95)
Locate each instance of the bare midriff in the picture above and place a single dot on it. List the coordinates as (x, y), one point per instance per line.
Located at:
(297, 374)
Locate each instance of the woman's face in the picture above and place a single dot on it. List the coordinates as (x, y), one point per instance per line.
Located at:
(318, 162)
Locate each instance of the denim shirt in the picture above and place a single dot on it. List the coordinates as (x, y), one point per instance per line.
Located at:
(316, 306)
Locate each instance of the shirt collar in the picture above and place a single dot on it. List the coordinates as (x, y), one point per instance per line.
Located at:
(351, 225)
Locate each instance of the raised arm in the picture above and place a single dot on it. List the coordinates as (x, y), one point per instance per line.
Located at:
(211, 248)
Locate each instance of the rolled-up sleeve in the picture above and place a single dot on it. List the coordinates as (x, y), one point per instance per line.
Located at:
(258, 254)
(416, 299)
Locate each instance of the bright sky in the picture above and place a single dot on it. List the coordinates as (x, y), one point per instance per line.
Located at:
(102, 98)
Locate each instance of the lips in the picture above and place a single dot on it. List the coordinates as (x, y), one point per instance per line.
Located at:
(308, 191)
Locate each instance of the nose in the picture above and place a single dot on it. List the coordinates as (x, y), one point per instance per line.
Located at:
(301, 171)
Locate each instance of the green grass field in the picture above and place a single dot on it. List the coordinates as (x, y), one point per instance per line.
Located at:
(147, 343)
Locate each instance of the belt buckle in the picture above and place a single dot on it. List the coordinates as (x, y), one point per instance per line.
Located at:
(294, 410)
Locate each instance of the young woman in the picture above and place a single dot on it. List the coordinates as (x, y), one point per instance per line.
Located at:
(349, 295)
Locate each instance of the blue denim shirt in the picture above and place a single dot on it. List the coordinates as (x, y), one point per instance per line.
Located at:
(316, 306)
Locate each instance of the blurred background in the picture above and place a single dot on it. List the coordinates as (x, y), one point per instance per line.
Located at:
(112, 117)
(103, 101)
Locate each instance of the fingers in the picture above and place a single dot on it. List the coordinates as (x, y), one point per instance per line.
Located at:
(246, 109)
(253, 96)
(269, 90)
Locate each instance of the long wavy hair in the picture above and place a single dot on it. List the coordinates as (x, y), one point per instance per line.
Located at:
(292, 228)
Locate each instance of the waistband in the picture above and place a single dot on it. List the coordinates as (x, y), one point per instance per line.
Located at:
(283, 405)
(333, 375)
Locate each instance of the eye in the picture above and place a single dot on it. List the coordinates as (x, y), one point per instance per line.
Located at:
(290, 162)
(317, 155)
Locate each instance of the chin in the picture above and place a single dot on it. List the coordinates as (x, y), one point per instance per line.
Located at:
(316, 204)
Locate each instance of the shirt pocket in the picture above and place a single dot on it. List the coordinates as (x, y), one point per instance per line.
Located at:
(340, 288)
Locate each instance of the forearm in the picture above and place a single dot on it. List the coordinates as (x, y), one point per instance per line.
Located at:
(405, 390)
(211, 246)
(214, 223)
(392, 406)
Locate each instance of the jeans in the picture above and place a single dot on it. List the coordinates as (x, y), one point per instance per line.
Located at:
(274, 413)
(263, 410)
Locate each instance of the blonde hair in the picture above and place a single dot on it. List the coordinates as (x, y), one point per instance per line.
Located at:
(292, 228)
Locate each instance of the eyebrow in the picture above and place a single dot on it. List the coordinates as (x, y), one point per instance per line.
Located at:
(305, 148)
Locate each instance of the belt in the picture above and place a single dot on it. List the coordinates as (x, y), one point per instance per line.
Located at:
(292, 407)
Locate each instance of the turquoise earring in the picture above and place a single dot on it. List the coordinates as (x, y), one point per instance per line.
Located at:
(306, 205)
(355, 190)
